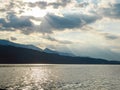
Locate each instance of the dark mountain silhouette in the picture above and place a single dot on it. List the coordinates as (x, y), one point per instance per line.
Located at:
(47, 50)
(12, 54)
(8, 43)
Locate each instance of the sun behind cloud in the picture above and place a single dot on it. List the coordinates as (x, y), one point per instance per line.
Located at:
(35, 12)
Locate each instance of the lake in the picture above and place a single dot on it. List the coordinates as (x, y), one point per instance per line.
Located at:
(59, 77)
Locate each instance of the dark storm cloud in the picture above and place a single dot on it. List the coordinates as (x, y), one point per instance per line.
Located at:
(15, 22)
(113, 11)
(53, 22)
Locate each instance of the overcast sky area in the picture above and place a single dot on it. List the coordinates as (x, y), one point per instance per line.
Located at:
(82, 27)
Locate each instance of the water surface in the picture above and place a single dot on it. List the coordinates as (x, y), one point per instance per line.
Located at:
(60, 77)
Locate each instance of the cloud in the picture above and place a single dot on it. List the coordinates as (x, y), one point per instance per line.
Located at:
(49, 23)
(15, 22)
(102, 8)
(56, 40)
(40, 4)
(53, 22)
(61, 3)
(82, 4)
(44, 4)
(111, 37)
(112, 12)
(13, 38)
(15, 6)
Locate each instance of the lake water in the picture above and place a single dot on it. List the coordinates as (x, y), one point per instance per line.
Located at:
(60, 77)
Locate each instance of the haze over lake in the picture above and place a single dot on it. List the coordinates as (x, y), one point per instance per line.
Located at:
(59, 77)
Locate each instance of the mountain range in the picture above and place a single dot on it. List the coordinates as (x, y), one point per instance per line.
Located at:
(13, 53)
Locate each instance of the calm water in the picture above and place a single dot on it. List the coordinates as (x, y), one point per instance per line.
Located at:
(60, 77)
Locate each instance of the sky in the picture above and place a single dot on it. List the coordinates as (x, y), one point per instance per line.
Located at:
(83, 27)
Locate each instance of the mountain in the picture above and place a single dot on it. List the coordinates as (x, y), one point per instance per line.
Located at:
(47, 50)
(12, 54)
(8, 43)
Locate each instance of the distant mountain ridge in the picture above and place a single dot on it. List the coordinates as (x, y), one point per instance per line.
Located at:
(47, 50)
(12, 53)
(8, 43)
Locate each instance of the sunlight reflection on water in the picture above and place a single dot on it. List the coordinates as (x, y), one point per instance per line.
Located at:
(60, 77)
